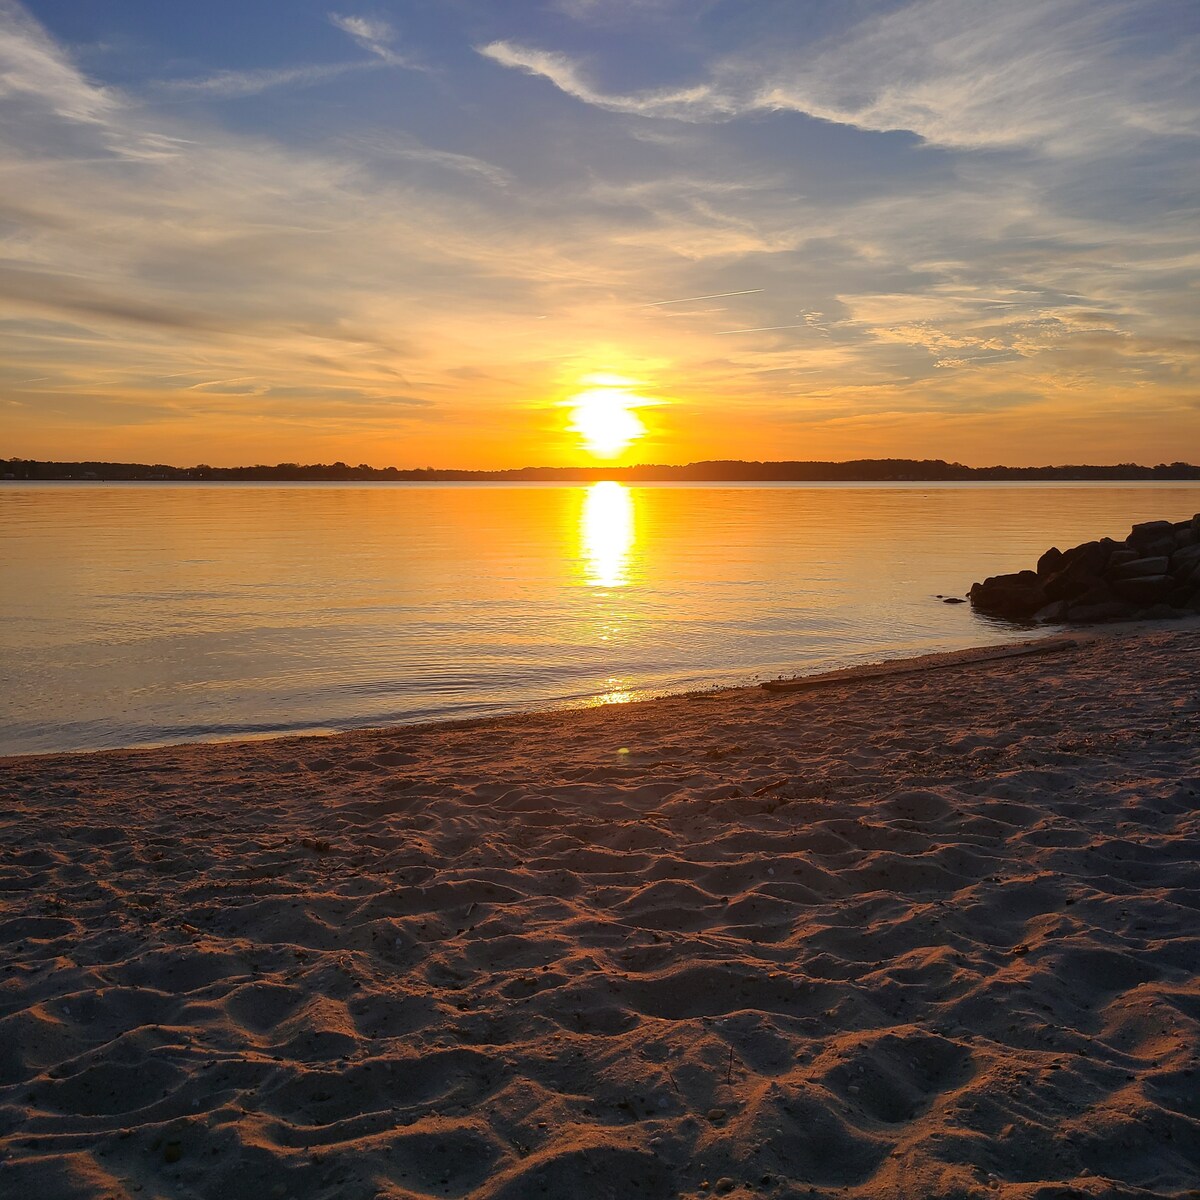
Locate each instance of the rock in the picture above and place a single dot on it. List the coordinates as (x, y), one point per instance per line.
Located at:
(1148, 532)
(1016, 595)
(1141, 566)
(1165, 546)
(1054, 612)
(1114, 610)
(953, 600)
(1095, 553)
(1156, 569)
(1143, 589)
(1178, 596)
(1081, 569)
(1050, 562)
(1100, 594)
(1122, 554)
(1160, 612)
(1184, 559)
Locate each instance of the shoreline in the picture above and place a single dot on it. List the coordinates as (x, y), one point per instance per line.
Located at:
(876, 669)
(930, 933)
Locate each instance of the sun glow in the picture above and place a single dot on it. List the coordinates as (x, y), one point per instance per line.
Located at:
(603, 414)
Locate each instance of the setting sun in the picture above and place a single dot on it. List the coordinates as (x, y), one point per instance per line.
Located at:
(603, 414)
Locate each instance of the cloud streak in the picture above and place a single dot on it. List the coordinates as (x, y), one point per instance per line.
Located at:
(1040, 74)
(375, 36)
(700, 102)
(234, 85)
(710, 296)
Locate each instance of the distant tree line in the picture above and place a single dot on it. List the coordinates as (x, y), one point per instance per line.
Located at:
(861, 470)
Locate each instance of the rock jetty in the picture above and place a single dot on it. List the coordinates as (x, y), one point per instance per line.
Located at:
(1153, 573)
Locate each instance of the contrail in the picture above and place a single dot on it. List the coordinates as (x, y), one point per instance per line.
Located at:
(763, 328)
(689, 299)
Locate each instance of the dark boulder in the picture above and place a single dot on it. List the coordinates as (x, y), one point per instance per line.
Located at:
(1101, 593)
(1160, 612)
(1157, 565)
(1164, 546)
(1081, 569)
(1178, 596)
(1018, 595)
(1113, 610)
(1148, 532)
(1050, 562)
(1157, 568)
(1095, 553)
(1143, 589)
(1183, 560)
(1053, 613)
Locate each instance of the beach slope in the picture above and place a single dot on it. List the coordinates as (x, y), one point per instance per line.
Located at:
(933, 934)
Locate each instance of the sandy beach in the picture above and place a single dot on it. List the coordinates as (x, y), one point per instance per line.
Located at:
(930, 934)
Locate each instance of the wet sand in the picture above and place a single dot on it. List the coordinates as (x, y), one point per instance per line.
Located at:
(924, 934)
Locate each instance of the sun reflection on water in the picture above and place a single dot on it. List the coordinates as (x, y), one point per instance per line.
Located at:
(607, 534)
(615, 694)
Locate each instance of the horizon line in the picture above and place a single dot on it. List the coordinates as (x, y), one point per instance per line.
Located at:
(596, 468)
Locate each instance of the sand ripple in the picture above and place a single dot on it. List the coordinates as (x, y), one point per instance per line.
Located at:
(933, 936)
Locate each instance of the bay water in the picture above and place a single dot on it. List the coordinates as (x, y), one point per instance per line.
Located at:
(142, 614)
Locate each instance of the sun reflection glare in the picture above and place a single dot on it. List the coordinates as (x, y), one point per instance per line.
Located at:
(607, 533)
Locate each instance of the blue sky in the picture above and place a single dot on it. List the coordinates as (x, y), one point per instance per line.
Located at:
(409, 232)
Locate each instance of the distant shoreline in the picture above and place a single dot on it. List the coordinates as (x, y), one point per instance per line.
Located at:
(717, 471)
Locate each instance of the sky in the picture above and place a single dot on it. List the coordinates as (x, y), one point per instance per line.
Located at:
(462, 233)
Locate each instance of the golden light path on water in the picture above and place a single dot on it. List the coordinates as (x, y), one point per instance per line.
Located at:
(607, 532)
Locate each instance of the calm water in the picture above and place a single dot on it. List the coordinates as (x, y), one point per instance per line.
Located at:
(136, 614)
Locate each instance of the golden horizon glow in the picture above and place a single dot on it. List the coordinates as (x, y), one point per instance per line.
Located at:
(409, 290)
(603, 414)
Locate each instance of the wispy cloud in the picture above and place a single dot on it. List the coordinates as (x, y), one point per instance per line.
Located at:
(230, 85)
(405, 148)
(1043, 74)
(693, 103)
(373, 35)
(1057, 75)
(370, 34)
(32, 67)
(42, 87)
